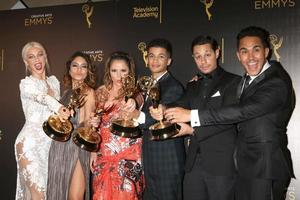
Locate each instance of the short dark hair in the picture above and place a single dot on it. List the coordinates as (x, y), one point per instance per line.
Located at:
(201, 39)
(161, 42)
(254, 31)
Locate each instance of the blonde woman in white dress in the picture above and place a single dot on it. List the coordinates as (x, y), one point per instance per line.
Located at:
(39, 96)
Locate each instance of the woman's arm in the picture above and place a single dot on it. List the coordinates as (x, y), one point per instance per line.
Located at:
(29, 91)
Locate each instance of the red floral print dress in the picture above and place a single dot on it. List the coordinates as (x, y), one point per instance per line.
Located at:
(118, 171)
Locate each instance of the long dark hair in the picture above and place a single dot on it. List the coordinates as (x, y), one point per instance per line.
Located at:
(90, 79)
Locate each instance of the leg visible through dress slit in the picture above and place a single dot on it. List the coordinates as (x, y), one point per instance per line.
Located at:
(77, 185)
(30, 190)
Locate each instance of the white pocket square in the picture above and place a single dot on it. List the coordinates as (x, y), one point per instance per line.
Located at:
(216, 94)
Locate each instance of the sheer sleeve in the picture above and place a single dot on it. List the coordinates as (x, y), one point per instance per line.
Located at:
(30, 90)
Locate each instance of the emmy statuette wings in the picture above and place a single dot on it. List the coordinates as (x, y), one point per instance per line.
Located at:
(127, 127)
(61, 131)
(88, 137)
(163, 129)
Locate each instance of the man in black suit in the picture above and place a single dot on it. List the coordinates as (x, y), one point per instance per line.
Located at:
(266, 104)
(209, 169)
(163, 161)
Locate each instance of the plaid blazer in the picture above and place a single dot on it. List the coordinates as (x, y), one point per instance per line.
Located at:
(163, 160)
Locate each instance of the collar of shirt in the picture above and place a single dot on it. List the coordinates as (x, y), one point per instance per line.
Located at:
(265, 67)
(204, 76)
(156, 80)
(210, 75)
(161, 75)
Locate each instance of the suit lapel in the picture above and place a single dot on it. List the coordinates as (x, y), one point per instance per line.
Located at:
(148, 102)
(252, 87)
(164, 77)
(196, 93)
(240, 87)
(215, 85)
(257, 81)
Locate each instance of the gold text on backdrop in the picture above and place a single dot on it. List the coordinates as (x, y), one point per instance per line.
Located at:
(95, 55)
(264, 4)
(39, 19)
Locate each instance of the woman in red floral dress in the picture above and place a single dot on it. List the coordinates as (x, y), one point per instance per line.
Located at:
(117, 169)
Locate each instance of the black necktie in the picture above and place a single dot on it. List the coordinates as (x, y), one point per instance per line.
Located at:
(247, 81)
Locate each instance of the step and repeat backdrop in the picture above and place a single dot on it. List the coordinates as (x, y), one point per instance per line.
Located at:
(101, 28)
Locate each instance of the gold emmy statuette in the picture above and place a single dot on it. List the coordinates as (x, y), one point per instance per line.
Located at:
(142, 47)
(276, 45)
(88, 138)
(88, 11)
(208, 4)
(163, 129)
(126, 127)
(61, 131)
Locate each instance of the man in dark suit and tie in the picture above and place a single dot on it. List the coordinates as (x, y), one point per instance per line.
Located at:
(209, 169)
(163, 161)
(266, 105)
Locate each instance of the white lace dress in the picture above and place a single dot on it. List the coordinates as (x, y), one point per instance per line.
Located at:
(32, 144)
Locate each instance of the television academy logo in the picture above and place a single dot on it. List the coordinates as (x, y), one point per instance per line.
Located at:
(148, 11)
(88, 11)
(208, 4)
(276, 43)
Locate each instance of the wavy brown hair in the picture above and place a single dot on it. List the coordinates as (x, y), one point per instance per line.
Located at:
(90, 79)
(118, 55)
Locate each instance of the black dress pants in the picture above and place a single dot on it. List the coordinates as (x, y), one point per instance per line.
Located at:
(261, 189)
(200, 185)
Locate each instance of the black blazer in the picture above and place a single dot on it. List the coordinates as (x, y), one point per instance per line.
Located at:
(215, 144)
(262, 115)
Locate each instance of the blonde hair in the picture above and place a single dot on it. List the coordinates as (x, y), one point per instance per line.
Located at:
(32, 44)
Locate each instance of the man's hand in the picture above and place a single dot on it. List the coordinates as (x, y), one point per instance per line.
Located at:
(178, 114)
(129, 106)
(185, 129)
